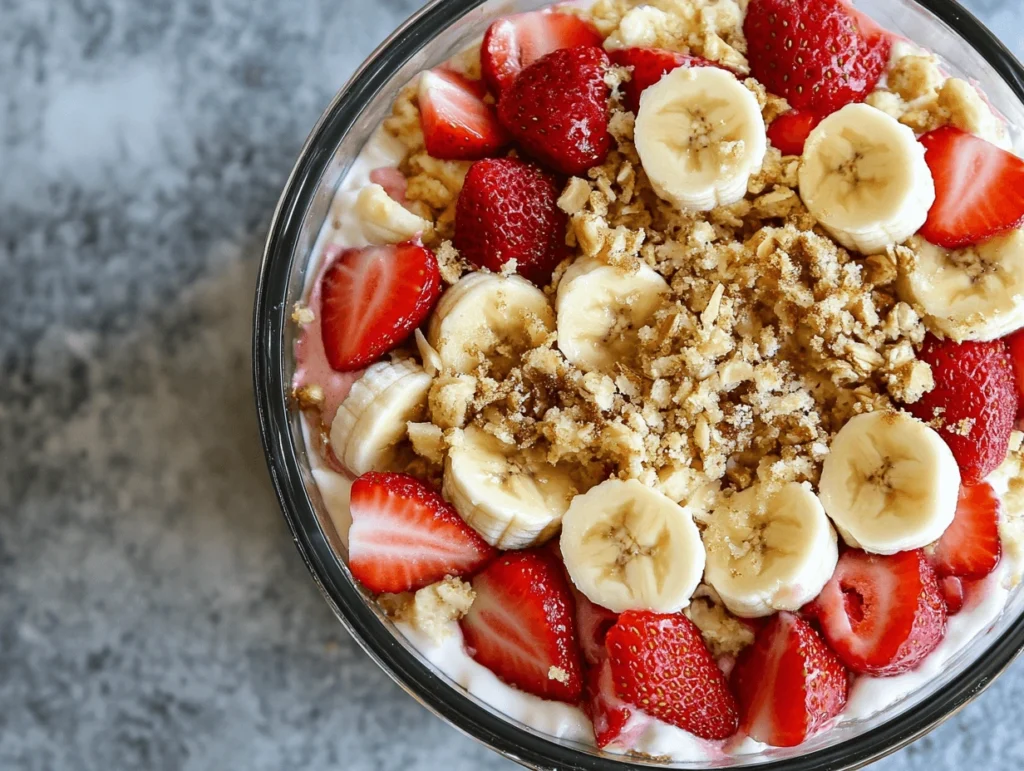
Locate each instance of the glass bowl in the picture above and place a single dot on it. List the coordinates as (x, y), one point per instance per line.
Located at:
(440, 29)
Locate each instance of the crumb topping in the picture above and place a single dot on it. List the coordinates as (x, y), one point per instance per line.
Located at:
(433, 608)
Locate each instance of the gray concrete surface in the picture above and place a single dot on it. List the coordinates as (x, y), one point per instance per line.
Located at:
(153, 611)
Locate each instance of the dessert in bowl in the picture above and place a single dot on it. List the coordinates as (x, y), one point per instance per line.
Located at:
(670, 349)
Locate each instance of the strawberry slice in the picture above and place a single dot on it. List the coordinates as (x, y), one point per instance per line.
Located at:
(557, 109)
(371, 299)
(1015, 345)
(788, 684)
(592, 625)
(881, 614)
(970, 547)
(661, 665)
(974, 399)
(979, 189)
(521, 625)
(789, 131)
(405, 536)
(458, 125)
(650, 65)
(508, 209)
(515, 42)
(609, 714)
(952, 589)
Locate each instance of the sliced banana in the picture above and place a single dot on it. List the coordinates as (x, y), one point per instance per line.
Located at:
(512, 497)
(489, 317)
(889, 483)
(700, 136)
(600, 309)
(385, 220)
(627, 546)
(864, 178)
(372, 420)
(975, 293)
(769, 555)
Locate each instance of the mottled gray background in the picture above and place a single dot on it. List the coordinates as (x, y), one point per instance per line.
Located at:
(153, 611)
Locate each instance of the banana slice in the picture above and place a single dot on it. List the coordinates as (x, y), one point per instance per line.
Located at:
(700, 136)
(769, 555)
(512, 497)
(969, 294)
(889, 483)
(864, 178)
(489, 317)
(372, 420)
(600, 309)
(627, 546)
(385, 220)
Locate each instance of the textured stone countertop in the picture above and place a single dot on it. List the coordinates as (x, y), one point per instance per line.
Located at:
(154, 613)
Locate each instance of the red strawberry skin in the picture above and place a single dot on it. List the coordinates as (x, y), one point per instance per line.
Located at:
(405, 536)
(457, 124)
(515, 42)
(649, 65)
(970, 547)
(788, 684)
(952, 589)
(557, 109)
(812, 52)
(372, 298)
(521, 624)
(1015, 345)
(881, 614)
(592, 625)
(608, 713)
(975, 399)
(508, 209)
(661, 665)
(979, 189)
(789, 131)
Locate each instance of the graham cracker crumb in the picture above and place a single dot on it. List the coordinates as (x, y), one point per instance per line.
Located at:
(433, 608)
(558, 674)
(302, 315)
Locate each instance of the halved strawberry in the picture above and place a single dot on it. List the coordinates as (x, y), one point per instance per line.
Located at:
(881, 614)
(607, 712)
(788, 684)
(405, 536)
(557, 109)
(649, 65)
(970, 547)
(458, 125)
(979, 189)
(508, 209)
(592, 625)
(372, 298)
(661, 665)
(952, 589)
(789, 131)
(515, 42)
(1015, 345)
(521, 625)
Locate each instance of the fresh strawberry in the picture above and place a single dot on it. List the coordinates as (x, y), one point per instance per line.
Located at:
(371, 299)
(1015, 345)
(458, 125)
(812, 52)
(515, 42)
(592, 625)
(661, 665)
(557, 109)
(788, 684)
(649, 65)
(979, 189)
(508, 209)
(970, 547)
(405, 536)
(974, 401)
(789, 131)
(952, 589)
(607, 712)
(521, 625)
(881, 614)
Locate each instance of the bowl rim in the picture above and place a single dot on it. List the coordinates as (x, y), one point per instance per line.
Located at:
(347, 601)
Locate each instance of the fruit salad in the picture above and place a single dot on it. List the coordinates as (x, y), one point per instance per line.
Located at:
(659, 367)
